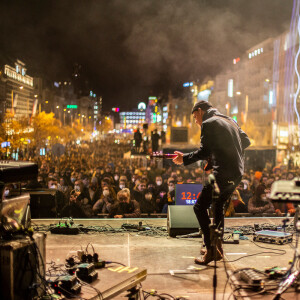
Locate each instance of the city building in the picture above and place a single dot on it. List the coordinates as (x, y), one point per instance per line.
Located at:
(260, 92)
(132, 119)
(18, 97)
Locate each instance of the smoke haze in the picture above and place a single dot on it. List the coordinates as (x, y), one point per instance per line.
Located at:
(130, 49)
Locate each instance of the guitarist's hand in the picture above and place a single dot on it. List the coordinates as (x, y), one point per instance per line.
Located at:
(178, 160)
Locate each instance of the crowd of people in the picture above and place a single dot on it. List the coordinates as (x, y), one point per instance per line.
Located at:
(95, 179)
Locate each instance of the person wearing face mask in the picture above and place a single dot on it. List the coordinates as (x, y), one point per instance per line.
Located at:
(52, 183)
(132, 183)
(158, 181)
(75, 208)
(41, 181)
(259, 203)
(125, 207)
(6, 192)
(84, 191)
(161, 200)
(73, 178)
(151, 188)
(239, 205)
(94, 190)
(170, 196)
(104, 204)
(63, 187)
(60, 197)
(116, 179)
(147, 204)
(122, 184)
(159, 185)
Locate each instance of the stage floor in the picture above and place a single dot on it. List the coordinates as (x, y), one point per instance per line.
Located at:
(159, 255)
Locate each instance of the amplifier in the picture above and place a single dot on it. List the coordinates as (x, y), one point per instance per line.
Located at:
(273, 237)
(21, 265)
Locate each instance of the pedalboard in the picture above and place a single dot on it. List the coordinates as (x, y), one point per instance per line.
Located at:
(253, 278)
(273, 237)
(67, 285)
(233, 238)
(276, 272)
(59, 229)
(87, 272)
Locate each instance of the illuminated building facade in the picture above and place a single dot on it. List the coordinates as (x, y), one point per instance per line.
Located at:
(259, 91)
(132, 119)
(244, 92)
(19, 90)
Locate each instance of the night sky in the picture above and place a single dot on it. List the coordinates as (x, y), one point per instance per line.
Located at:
(131, 49)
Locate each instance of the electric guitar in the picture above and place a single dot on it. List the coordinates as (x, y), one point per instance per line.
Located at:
(162, 155)
(207, 167)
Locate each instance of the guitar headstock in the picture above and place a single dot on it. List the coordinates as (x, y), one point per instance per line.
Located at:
(156, 155)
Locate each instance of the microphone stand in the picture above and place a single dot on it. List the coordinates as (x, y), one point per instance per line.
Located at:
(215, 233)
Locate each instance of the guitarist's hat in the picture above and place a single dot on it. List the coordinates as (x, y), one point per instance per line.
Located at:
(204, 105)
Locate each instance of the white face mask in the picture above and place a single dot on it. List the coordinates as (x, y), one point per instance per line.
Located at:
(73, 179)
(105, 193)
(77, 188)
(6, 193)
(53, 186)
(122, 186)
(158, 182)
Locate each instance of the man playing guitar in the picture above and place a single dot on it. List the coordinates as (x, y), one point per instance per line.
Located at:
(224, 142)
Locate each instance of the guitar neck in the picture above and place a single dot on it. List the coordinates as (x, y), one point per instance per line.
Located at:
(160, 155)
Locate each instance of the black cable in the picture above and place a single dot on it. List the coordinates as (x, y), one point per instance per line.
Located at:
(99, 294)
(115, 262)
(258, 253)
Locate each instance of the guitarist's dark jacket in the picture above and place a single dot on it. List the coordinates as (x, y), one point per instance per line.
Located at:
(224, 142)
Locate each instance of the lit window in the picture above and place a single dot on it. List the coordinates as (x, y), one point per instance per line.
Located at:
(262, 50)
(258, 51)
(255, 52)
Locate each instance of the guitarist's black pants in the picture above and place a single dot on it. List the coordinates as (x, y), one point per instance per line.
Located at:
(205, 200)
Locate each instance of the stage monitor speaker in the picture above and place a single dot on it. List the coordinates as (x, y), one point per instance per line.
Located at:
(181, 220)
(42, 203)
(22, 267)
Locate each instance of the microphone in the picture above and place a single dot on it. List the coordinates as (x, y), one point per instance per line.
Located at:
(213, 183)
